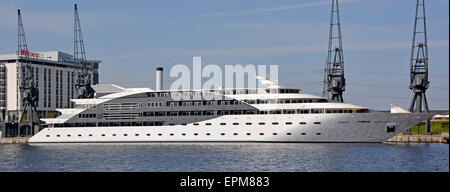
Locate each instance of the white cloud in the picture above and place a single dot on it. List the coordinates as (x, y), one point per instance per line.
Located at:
(287, 49)
(270, 9)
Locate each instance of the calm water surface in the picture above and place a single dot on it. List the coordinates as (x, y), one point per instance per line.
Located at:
(225, 157)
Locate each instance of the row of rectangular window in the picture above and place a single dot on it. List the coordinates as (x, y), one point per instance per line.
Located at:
(200, 103)
(87, 115)
(172, 134)
(177, 113)
(111, 124)
(59, 88)
(209, 93)
(247, 112)
(47, 86)
(132, 106)
(157, 123)
(235, 102)
(121, 106)
(118, 106)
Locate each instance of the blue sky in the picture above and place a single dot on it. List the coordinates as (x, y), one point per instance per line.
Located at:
(133, 37)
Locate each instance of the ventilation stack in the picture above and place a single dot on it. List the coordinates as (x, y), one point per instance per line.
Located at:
(159, 78)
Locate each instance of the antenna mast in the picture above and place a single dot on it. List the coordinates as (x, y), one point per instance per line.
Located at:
(29, 92)
(334, 71)
(79, 56)
(419, 61)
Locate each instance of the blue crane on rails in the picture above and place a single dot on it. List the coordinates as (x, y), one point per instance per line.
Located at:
(334, 81)
(28, 90)
(83, 83)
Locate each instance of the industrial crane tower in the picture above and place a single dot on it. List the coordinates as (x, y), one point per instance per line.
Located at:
(28, 90)
(83, 84)
(419, 82)
(334, 81)
(419, 61)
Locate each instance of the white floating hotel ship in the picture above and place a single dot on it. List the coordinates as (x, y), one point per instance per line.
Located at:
(270, 114)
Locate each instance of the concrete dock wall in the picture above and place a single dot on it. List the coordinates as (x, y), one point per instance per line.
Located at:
(419, 139)
(14, 140)
(399, 138)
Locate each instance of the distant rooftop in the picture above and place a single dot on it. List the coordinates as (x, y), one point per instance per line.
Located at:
(57, 56)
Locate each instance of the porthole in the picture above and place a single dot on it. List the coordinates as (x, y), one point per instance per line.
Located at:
(159, 134)
(195, 134)
(248, 133)
(261, 133)
(207, 123)
(318, 133)
(208, 134)
(195, 124)
(136, 134)
(114, 135)
(274, 133)
(148, 134)
(235, 123)
(222, 134)
(302, 123)
(235, 134)
(103, 135)
(288, 133)
(275, 123)
(58, 135)
(68, 135)
(125, 135)
(248, 123)
(184, 134)
(317, 123)
(303, 133)
(261, 123)
(171, 134)
(90, 135)
(47, 135)
(288, 123)
(79, 135)
(222, 123)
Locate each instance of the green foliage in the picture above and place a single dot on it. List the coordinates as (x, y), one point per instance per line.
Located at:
(437, 127)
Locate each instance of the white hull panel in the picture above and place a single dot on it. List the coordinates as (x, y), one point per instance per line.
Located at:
(364, 127)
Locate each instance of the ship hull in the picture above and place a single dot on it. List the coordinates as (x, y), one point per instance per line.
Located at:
(361, 127)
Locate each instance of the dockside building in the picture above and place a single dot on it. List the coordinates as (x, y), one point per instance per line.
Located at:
(55, 75)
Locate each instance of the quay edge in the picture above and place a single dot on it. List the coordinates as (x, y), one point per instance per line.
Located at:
(14, 140)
